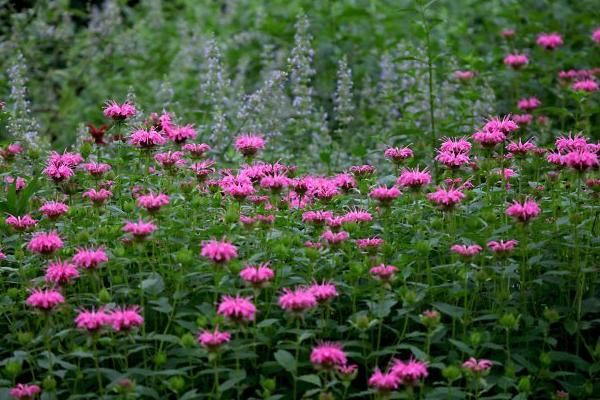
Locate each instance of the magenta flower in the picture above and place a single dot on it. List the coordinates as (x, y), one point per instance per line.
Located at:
(508, 33)
(549, 41)
(489, 138)
(316, 217)
(212, 340)
(61, 273)
(98, 197)
(452, 160)
(520, 148)
(170, 159)
(97, 169)
(58, 172)
(585, 85)
(249, 145)
(414, 179)
(466, 251)
(25, 391)
(119, 112)
(398, 154)
(464, 75)
(89, 258)
(219, 251)
(504, 125)
(92, 320)
(125, 318)
(409, 372)
(53, 209)
(19, 183)
(327, 356)
(455, 145)
(45, 299)
(153, 202)
(446, 198)
(257, 275)
(297, 301)
(146, 139)
(384, 195)
(275, 183)
(523, 211)
(384, 382)
(596, 35)
(181, 134)
(357, 216)
(361, 171)
(516, 61)
(369, 244)
(238, 309)
(196, 149)
(21, 223)
(139, 229)
(323, 291)
(502, 247)
(45, 243)
(528, 104)
(477, 366)
(383, 272)
(334, 238)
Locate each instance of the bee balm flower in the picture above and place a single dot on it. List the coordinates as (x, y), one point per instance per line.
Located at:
(326, 356)
(45, 243)
(237, 308)
(45, 299)
(119, 112)
(249, 145)
(523, 211)
(25, 392)
(219, 251)
(125, 318)
(212, 340)
(92, 320)
(549, 41)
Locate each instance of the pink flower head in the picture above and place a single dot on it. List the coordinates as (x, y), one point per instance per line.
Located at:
(466, 251)
(11, 151)
(146, 139)
(89, 258)
(45, 299)
(203, 169)
(21, 223)
(369, 244)
(384, 195)
(477, 366)
(25, 392)
(239, 191)
(45, 243)
(398, 154)
(528, 104)
(455, 145)
(414, 178)
(464, 75)
(549, 41)
(297, 301)
(153, 202)
(520, 148)
(502, 247)
(585, 85)
(275, 182)
(570, 143)
(257, 275)
(61, 273)
(361, 171)
(580, 160)
(2, 256)
(119, 112)
(384, 272)
(58, 172)
(212, 340)
(384, 382)
(98, 197)
(69, 159)
(323, 291)
(249, 145)
(504, 125)
(357, 216)
(97, 169)
(19, 182)
(196, 149)
(596, 35)
(327, 356)
(452, 160)
(344, 181)
(53, 209)
(92, 320)
(508, 33)
(516, 61)
(181, 134)
(446, 198)
(523, 119)
(126, 318)
(170, 159)
(409, 372)
(489, 138)
(237, 308)
(139, 229)
(523, 211)
(219, 251)
(334, 238)
(316, 217)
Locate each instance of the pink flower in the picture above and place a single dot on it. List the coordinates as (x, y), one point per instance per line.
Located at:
(356, 216)
(528, 104)
(257, 275)
(455, 145)
(21, 223)
(69, 159)
(212, 340)
(11, 151)
(508, 33)
(92, 320)
(520, 147)
(580, 160)
(53, 209)
(58, 172)
(153, 202)
(502, 247)
(61, 272)
(334, 238)
(523, 211)
(464, 75)
(181, 134)
(297, 301)
(523, 119)
(196, 149)
(452, 160)
(97, 169)
(477, 366)
(249, 145)
(219, 251)
(361, 171)
(125, 318)
(316, 217)
(384, 382)
(384, 195)
(25, 392)
(237, 308)
(369, 244)
(344, 181)
(504, 125)
(549, 41)
(2, 256)
(489, 138)
(239, 190)
(146, 139)
(596, 35)
(383, 272)
(409, 372)
(446, 198)
(139, 229)
(19, 183)
(275, 182)
(98, 197)
(571, 143)
(466, 251)
(45, 243)
(119, 112)
(327, 356)
(170, 159)
(89, 258)
(45, 299)
(585, 85)
(203, 169)
(516, 61)
(323, 291)
(414, 178)
(398, 154)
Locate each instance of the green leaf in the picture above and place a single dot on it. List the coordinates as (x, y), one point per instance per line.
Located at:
(286, 360)
(312, 378)
(153, 285)
(449, 309)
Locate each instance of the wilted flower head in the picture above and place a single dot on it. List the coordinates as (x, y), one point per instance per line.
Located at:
(549, 41)
(219, 251)
(45, 243)
(45, 299)
(119, 112)
(237, 308)
(508, 33)
(327, 356)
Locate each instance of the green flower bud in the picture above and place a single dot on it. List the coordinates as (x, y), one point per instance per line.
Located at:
(177, 383)
(269, 384)
(160, 359)
(551, 315)
(24, 338)
(12, 368)
(509, 321)
(524, 384)
(49, 383)
(104, 296)
(451, 373)
(188, 340)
